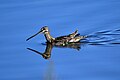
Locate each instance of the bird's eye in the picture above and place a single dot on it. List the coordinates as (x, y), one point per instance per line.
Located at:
(42, 29)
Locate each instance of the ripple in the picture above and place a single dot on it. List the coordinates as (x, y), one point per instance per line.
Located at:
(106, 37)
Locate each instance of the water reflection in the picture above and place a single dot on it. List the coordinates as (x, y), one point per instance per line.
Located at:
(50, 73)
(103, 38)
(47, 53)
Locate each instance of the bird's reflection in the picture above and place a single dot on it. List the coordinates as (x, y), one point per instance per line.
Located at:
(47, 53)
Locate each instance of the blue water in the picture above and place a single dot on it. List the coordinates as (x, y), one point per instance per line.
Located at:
(97, 59)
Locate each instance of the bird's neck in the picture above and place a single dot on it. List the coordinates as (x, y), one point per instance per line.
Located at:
(48, 37)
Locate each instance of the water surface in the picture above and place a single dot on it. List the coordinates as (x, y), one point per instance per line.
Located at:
(97, 59)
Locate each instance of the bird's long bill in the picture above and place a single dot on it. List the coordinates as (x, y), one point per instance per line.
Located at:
(33, 35)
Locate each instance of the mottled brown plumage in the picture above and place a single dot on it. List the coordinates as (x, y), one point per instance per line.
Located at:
(62, 40)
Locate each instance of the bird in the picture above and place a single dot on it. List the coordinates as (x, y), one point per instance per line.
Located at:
(62, 40)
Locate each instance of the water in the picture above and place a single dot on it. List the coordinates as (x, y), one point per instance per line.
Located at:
(97, 59)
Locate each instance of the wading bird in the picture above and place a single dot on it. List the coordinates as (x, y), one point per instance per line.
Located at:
(60, 41)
